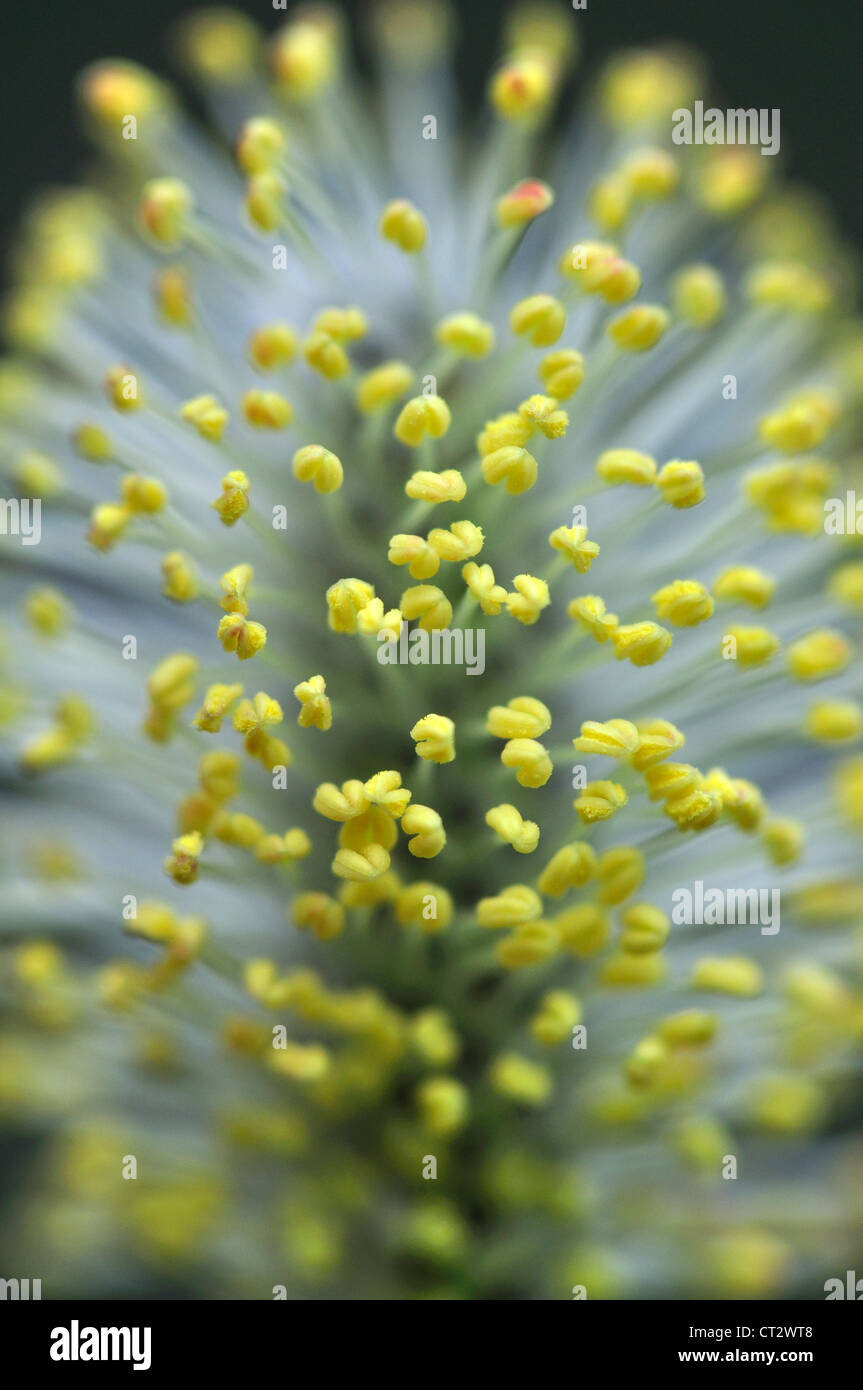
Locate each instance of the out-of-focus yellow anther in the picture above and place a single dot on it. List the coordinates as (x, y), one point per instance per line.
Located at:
(744, 584)
(802, 424)
(533, 764)
(789, 285)
(562, 372)
(688, 1028)
(730, 180)
(265, 199)
(609, 202)
(182, 863)
(172, 291)
(558, 1014)
(233, 501)
(846, 585)
(404, 225)
(784, 839)
(143, 496)
(639, 328)
(272, 345)
(426, 829)
(315, 464)
(728, 975)
(645, 929)
(645, 1061)
(621, 873)
(239, 829)
(599, 801)
(520, 1080)
(818, 655)
(345, 325)
(219, 774)
(216, 703)
(571, 867)
(319, 914)
(681, 483)
(164, 209)
(618, 466)
(834, 721)
(597, 268)
(426, 905)
(421, 417)
(698, 296)
(572, 542)
(383, 385)
(530, 597)
(267, 410)
(179, 580)
(429, 604)
(92, 443)
(507, 822)
(443, 1104)
(123, 386)
(425, 486)
(207, 415)
(466, 334)
(510, 908)
(261, 145)
(526, 201)
(112, 89)
(685, 603)
(305, 58)
(522, 88)
(541, 318)
(237, 634)
(752, 645)
(48, 612)
(220, 45)
(326, 355)
(533, 943)
(345, 599)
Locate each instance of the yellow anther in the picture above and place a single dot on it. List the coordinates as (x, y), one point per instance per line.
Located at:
(696, 810)
(38, 475)
(689, 1028)
(92, 443)
(123, 386)
(425, 486)
(511, 907)
(521, 1080)
(658, 740)
(465, 333)
(618, 466)
(460, 542)
(47, 750)
(220, 45)
(752, 645)
(624, 971)
(789, 285)
(383, 385)
(531, 596)
(301, 1062)
(511, 430)
(360, 865)
(802, 424)
(48, 612)
(422, 416)
(429, 604)
(645, 929)
(641, 643)
(260, 146)
(651, 172)
(272, 345)
(533, 943)
(834, 721)
(642, 86)
(385, 790)
(443, 1104)
(572, 542)
(787, 1104)
(522, 88)
(378, 890)
(615, 738)
(544, 415)
(434, 736)
(164, 209)
(143, 496)
(216, 703)
(597, 268)
(179, 580)
(685, 603)
(818, 655)
(319, 914)
(558, 1014)
(698, 296)
(667, 780)
(431, 1033)
(316, 710)
(645, 1061)
(207, 415)
(172, 291)
(234, 583)
(425, 827)
(237, 634)
(422, 559)
(728, 975)
(404, 225)
(681, 483)
(609, 202)
(345, 599)
(345, 325)
(507, 822)
(846, 585)
(731, 180)
(590, 609)
(639, 328)
(326, 355)
(511, 464)
(260, 713)
(267, 410)
(425, 904)
(744, 584)
(599, 801)
(341, 805)
(541, 318)
(784, 839)
(265, 200)
(237, 828)
(523, 203)
(571, 867)
(182, 863)
(315, 464)
(305, 58)
(562, 372)
(534, 766)
(742, 799)
(172, 684)
(621, 873)
(219, 774)
(374, 619)
(112, 89)
(522, 717)
(233, 502)
(481, 582)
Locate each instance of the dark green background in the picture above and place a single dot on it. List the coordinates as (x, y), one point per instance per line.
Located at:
(798, 55)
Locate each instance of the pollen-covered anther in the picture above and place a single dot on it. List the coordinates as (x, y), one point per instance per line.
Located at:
(532, 943)
(237, 634)
(616, 738)
(540, 318)
(511, 430)
(361, 865)
(532, 761)
(481, 584)
(510, 908)
(572, 542)
(267, 410)
(262, 712)
(752, 646)
(425, 486)
(641, 643)
(341, 804)
(522, 717)
(182, 863)
(698, 296)
(345, 599)
(465, 333)
(383, 385)
(216, 704)
(425, 827)
(621, 873)
(544, 414)
(685, 603)
(507, 822)
(681, 483)
(590, 610)
(179, 580)
(523, 203)
(434, 736)
(463, 540)
(315, 464)
(598, 268)
(374, 618)
(570, 867)
(404, 225)
(233, 501)
(511, 464)
(318, 913)
(418, 554)
(562, 372)
(744, 584)
(422, 417)
(819, 655)
(599, 801)
(531, 596)
(316, 710)
(429, 604)
(695, 810)
(234, 583)
(619, 466)
(385, 789)
(658, 739)
(639, 328)
(207, 415)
